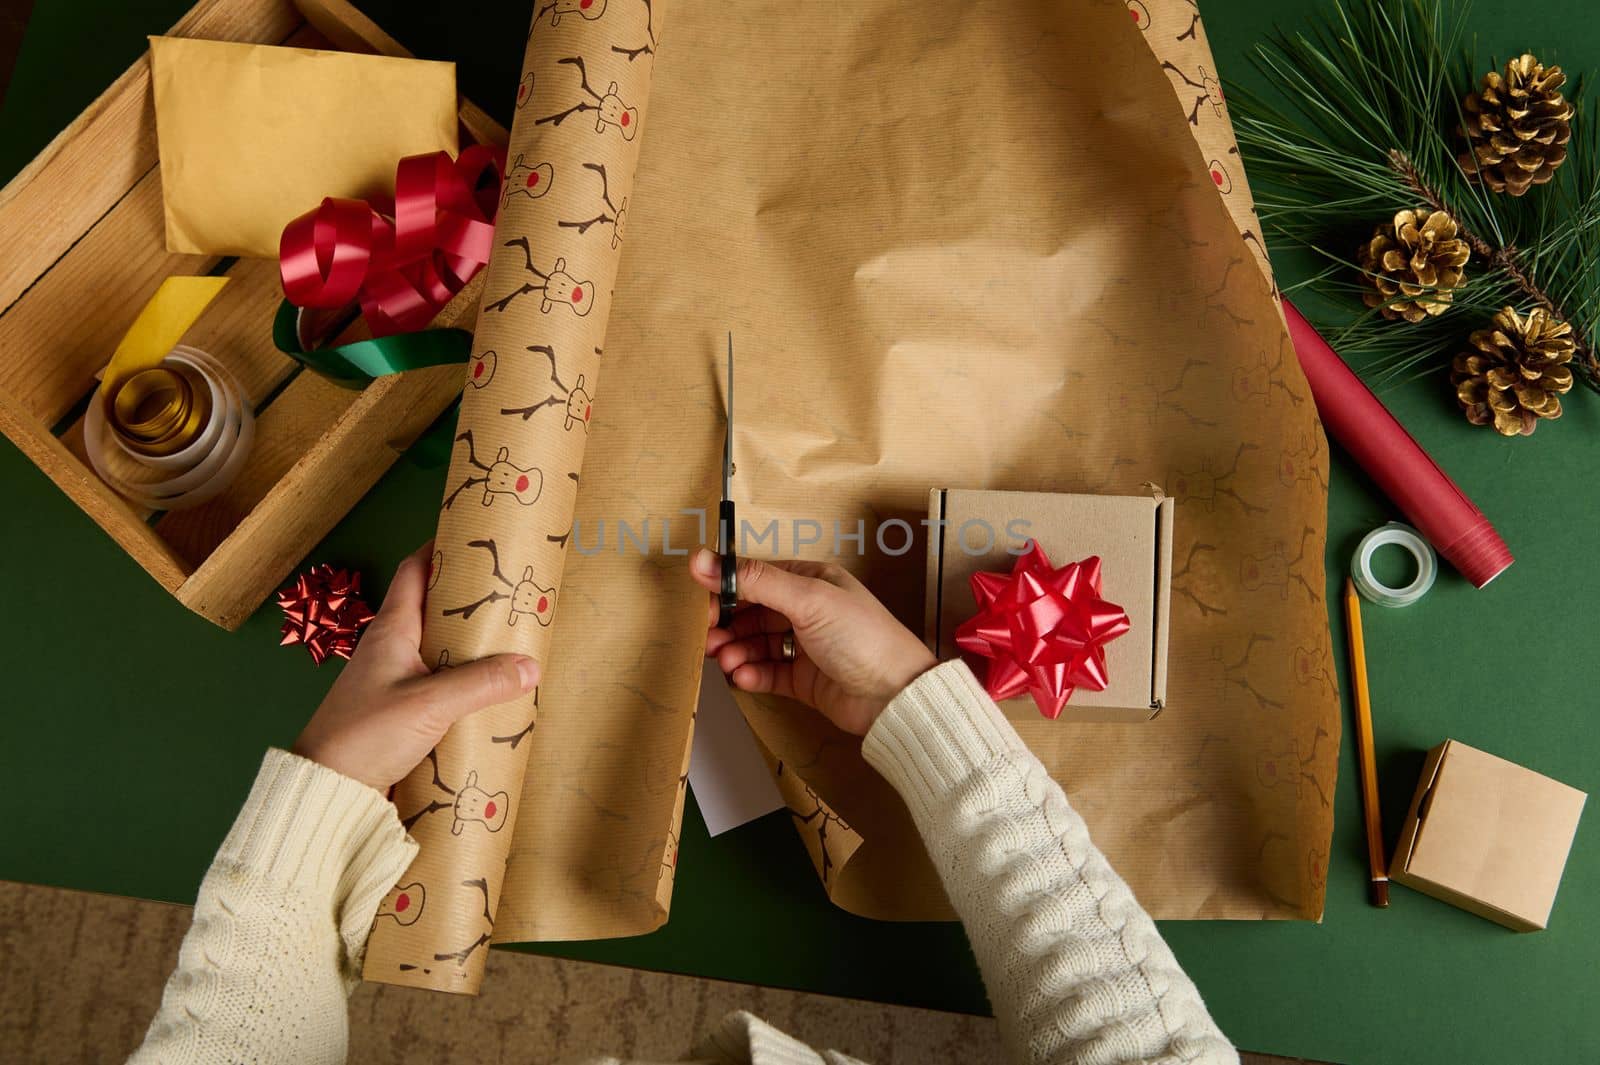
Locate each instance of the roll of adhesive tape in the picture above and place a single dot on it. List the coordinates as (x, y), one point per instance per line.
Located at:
(1375, 590)
(199, 471)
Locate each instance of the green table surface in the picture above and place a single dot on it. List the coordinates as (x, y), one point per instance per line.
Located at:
(133, 727)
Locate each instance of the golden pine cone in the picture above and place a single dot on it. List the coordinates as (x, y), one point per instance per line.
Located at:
(1515, 372)
(1413, 264)
(1517, 126)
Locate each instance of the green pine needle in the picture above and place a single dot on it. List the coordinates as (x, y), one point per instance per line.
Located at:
(1364, 122)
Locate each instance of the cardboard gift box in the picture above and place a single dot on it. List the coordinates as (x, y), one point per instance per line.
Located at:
(979, 530)
(1488, 836)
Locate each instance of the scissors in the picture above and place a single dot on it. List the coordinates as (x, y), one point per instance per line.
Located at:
(729, 595)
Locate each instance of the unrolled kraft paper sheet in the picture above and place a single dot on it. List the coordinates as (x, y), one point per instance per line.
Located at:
(957, 245)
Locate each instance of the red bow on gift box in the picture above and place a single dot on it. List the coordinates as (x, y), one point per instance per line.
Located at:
(323, 610)
(404, 259)
(1042, 629)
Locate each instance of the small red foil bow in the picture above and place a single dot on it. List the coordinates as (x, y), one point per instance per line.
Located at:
(401, 259)
(1042, 629)
(323, 610)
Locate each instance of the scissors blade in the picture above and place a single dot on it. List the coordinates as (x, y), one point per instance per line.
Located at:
(727, 440)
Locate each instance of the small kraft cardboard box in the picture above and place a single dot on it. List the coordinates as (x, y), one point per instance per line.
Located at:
(1488, 836)
(977, 530)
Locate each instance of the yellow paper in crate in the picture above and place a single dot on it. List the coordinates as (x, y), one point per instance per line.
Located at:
(252, 135)
(959, 244)
(138, 393)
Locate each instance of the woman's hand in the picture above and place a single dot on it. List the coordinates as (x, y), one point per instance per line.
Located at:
(852, 655)
(387, 710)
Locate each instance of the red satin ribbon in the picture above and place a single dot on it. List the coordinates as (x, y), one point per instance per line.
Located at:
(402, 260)
(1042, 629)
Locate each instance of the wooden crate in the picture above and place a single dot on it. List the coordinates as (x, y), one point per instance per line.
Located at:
(91, 206)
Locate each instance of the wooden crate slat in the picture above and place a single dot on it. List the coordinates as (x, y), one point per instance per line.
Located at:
(462, 311)
(334, 471)
(349, 28)
(293, 422)
(476, 121)
(237, 328)
(108, 510)
(86, 169)
(62, 331)
(48, 323)
(309, 500)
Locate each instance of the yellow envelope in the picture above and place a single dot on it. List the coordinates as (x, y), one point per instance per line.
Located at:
(251, 136)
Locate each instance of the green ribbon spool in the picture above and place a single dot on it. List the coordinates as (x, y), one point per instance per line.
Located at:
(357, 364)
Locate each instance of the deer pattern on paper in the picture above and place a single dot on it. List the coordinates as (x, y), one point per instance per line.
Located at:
(614, 214)
(524, 598)
(555, 287)
(460, 955)
(649, 37)
(404, 903)
(468, 804)
(529, 181)
(501, 479)
(505, 517)
(1174, 32)
(610, 113)
(576, 402)
(829, 840)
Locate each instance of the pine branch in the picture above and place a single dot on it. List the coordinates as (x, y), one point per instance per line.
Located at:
(1506, 259)
(1364, 120)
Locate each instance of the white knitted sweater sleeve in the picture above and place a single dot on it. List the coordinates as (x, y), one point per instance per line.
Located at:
(281, 923)
(1075, 969)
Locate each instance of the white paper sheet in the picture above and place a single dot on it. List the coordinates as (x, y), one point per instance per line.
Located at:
(730, 779)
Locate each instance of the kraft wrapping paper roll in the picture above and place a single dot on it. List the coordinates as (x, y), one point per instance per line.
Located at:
(506, 518)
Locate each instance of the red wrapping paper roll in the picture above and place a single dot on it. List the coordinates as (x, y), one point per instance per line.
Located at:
(1364, 427)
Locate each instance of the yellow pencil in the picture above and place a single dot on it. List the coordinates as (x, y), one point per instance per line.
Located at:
(1378, 889)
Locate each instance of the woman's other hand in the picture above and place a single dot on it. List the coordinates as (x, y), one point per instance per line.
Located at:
(387, 710)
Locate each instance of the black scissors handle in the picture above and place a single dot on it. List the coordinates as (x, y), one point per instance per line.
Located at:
(728, 598)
